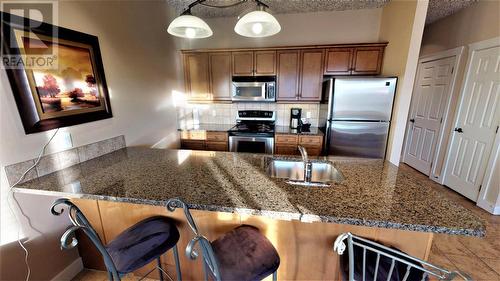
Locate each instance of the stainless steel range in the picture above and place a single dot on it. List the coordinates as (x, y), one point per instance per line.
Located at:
(253, 132)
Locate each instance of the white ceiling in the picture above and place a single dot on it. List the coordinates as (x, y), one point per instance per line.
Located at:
(437, 8)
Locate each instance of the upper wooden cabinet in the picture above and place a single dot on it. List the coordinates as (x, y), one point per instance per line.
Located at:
(354, 61)
(338, 61)
(311, 75)
(242, 63)
(196, 73)
(220, 75)
(256, 63)
(265, 62)
(300, 74)
(367, 60)
(288, 75)
(299, 70)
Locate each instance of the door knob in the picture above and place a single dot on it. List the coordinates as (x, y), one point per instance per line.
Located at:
(458, 130)
(412, 120)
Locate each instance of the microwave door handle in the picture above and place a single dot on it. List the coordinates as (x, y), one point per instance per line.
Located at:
(264, 90)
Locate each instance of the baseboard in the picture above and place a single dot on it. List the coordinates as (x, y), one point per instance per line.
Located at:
(70, 271)
(496, 210)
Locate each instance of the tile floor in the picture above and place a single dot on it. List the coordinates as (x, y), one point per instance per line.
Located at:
(479, 257)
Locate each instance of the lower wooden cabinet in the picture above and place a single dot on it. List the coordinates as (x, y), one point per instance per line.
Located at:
(286, 149)
(216, 146)
(193, 144)
(203, 140)
(286, 144)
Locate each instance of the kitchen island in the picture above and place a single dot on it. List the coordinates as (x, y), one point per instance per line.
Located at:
(376, 200)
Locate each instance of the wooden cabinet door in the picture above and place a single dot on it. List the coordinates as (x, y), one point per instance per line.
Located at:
(311, 75)
(220, 75)
(196, 74)
(243, 63)
(265, 63)
(338, 61)
(286, 149)
(288, 75)
(367, 60)
(193, 144)
(216, 146)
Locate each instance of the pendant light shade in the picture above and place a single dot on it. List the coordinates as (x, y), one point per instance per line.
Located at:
(257, 24)
(189, 26)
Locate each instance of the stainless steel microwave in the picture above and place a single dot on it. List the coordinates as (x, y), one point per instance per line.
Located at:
(254, 89)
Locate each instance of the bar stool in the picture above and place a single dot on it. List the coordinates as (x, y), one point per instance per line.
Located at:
(132, 249)
(367, 260)
(240, 254)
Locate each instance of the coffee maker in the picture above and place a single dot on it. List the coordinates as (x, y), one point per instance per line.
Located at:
(295, 115)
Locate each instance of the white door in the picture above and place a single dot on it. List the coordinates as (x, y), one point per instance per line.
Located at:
(430, 95)
(476, 123)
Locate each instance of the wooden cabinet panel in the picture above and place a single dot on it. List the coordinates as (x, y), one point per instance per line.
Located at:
(310, 140)
(285, 139)
(265, 63)
(367, 60)
(220, 75)
(216, 146)
(217, 136)
(338, 61)
(197, 76)
(243, 63)
(312, 150)
(288, 75)
(286, 149)
(311, 74)
(193, 144)
(193, 135)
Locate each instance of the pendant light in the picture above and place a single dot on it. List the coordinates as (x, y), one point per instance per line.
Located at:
(189, 26)
(257, 23)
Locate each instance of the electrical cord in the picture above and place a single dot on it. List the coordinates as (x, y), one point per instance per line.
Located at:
(10, 194)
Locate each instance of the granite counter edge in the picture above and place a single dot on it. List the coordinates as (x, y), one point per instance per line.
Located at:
(287, 216)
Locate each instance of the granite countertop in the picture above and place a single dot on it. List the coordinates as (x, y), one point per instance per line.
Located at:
(373, 193)
(287, 130)
(207, 127)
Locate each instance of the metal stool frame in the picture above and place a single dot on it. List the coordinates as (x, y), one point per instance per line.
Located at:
(395, 255)
(79, 221)
(210, 265)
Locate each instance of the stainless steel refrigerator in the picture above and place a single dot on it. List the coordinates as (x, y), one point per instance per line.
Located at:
(359, 113)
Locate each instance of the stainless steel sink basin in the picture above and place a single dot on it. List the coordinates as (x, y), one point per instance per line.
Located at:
(322, 172)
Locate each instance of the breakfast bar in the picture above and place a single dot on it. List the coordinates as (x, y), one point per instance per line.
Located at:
(374, 199)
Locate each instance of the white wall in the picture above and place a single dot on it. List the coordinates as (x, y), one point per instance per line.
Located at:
(358, 26)
(142, 69)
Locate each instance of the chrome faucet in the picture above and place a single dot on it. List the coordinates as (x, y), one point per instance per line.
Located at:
(307, 164)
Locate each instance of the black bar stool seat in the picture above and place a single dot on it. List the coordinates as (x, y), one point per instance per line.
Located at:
(245, 254)
(132, 249)
(142, 243)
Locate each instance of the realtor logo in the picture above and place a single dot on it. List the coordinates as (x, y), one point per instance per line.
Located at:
(23, 47)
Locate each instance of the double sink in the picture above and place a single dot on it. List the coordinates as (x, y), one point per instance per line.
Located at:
(305, 172)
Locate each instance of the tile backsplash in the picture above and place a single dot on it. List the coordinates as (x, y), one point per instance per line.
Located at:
(64, 159)
(223, 113)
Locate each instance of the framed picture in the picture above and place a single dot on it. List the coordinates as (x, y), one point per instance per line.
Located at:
(56, 74)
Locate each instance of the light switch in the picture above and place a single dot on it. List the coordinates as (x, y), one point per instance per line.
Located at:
(308, 114)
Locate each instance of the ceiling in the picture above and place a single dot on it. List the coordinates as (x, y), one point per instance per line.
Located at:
(437, 8)
(276, 6)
